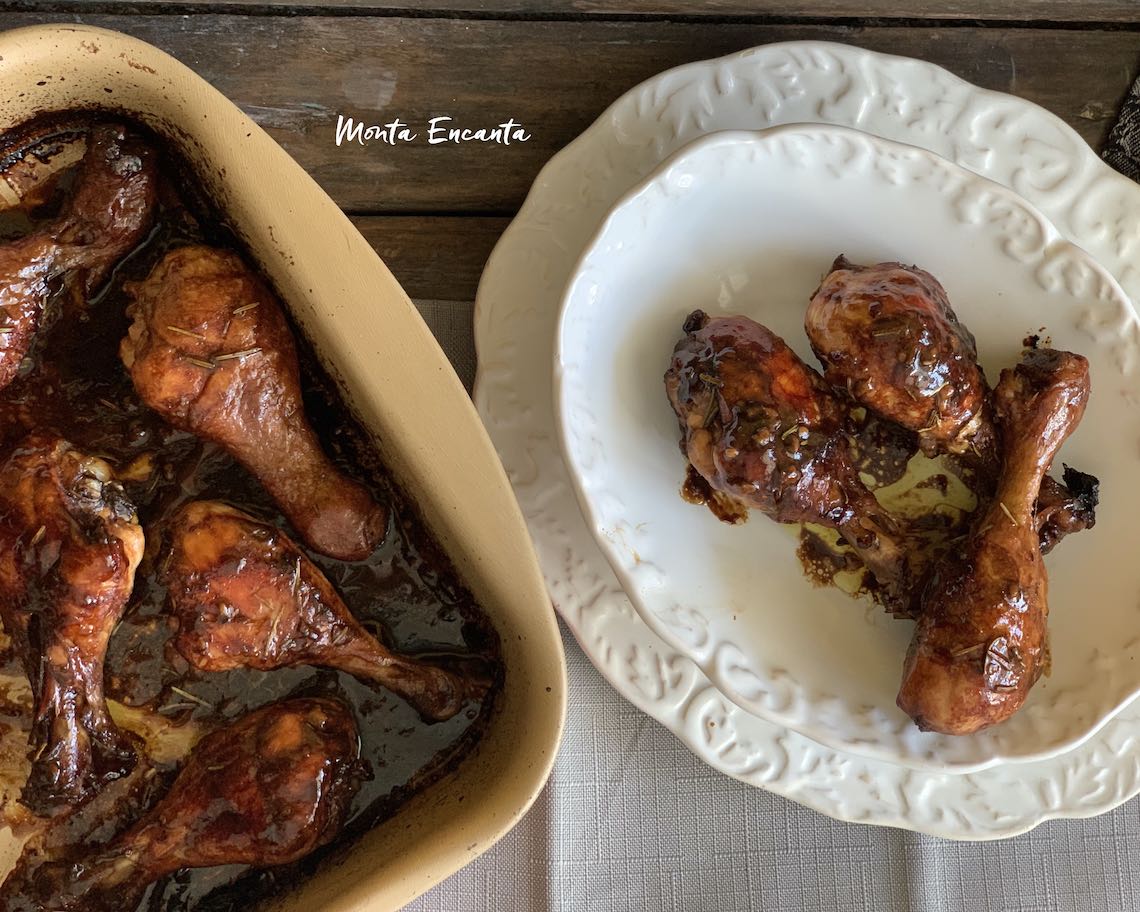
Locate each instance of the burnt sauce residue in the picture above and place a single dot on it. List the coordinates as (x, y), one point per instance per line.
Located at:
(880, 450)
(823, 560)
(406, 593)
(696, 490)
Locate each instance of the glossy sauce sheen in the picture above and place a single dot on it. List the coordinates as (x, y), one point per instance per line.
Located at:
(406, 593)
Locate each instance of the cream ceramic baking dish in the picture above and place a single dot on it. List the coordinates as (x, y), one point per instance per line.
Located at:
(397, 380)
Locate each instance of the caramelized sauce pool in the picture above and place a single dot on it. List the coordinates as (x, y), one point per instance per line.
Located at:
(406, 593)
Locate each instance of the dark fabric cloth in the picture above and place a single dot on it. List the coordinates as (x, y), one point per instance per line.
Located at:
(1123, 148)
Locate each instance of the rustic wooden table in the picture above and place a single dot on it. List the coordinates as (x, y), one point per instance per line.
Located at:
(435, 211)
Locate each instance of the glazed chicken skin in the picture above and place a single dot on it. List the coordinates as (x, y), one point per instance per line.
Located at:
(107, 215)
(980, 642)
(762, 427)
(211, 352)
(69, 546)
(265, 790)
(246, 596)
(887, 335)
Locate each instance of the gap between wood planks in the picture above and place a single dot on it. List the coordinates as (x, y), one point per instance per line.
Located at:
(1043, 14)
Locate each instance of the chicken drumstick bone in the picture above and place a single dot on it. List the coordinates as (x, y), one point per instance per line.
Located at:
(762, 427)
(246, 596)
(69, 546)
(980, 641)
(888, 335)
(265, 790)
(107, 215)
(211, 352)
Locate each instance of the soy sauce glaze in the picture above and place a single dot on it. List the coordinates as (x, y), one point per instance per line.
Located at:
(407, 593)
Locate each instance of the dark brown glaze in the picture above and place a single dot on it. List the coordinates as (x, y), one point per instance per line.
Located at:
(887, 335)
(246, 596)
(107, 215)
(263, 791)
(696, 490)
(980, 642)
(880, 448)
(762, 427)
(69, 546)
(211, 352)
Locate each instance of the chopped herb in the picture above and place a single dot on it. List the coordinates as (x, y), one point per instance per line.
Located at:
(186, 332)
(234, 356)
(190, 696)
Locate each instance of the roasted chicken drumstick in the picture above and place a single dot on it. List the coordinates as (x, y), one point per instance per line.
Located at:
(762, 427)
(888, 335)
(265, 790)
(69, 546)
(107, 215)
(211, 352)
(246, 596)
(980, 641)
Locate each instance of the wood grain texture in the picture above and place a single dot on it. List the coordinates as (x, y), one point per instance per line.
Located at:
(294, 75)
(1121, 12)
(434, 257)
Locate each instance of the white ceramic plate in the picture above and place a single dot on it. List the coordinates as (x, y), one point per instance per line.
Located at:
(747, 223)
(1006, 139)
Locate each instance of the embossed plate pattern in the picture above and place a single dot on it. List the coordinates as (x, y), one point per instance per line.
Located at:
(1003, 138)
(746, 223)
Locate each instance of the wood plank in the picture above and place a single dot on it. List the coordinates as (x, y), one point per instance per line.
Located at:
(1124, 12)
(295, 75)
(436, 257)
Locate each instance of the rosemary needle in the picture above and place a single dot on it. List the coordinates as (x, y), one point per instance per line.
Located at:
(186, 332)
(232, 356)
(190, 696)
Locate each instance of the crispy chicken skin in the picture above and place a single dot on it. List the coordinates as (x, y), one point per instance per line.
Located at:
(265, 790)
(980, 642)
(762, 427)
(888, 336)
(246, 596)
(107, 215)
(69, 546)
(211, 352)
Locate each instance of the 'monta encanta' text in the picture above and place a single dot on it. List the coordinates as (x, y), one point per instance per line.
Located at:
(440, 130)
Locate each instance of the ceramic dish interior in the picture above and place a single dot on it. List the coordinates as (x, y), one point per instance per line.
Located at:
(369, 337)
(1007, 139)
(747, 223)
